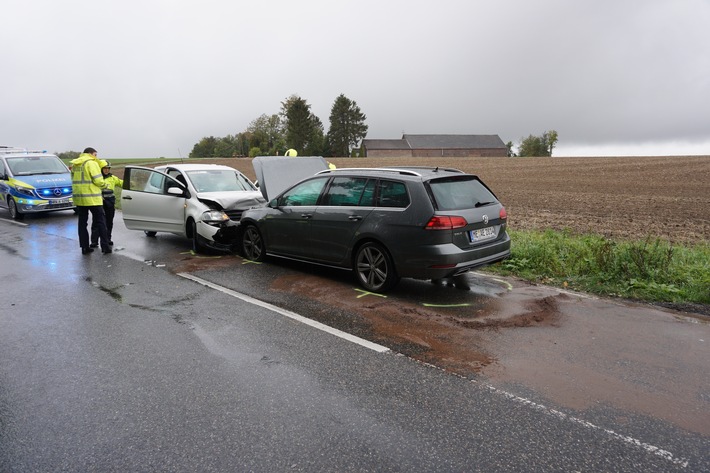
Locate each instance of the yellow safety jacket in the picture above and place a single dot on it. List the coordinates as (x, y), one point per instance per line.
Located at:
(87, 181)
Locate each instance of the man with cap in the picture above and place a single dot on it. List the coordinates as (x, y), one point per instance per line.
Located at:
(109, 203)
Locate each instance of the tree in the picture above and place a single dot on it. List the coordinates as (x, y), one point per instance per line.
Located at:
(301, 124)
(347, 126)
(205, 148)
(538, 145)
(268, 133)
(510, 153)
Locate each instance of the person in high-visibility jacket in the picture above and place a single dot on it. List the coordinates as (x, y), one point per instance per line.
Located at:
(87, 184)
(109, 203)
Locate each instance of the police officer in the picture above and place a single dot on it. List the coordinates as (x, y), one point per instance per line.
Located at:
(109, 203)
(87, 183)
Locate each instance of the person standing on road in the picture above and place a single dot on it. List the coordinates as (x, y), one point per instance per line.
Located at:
(109, 203)
(87, 184)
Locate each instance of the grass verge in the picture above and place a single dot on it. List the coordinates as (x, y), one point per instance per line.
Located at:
(651, 270)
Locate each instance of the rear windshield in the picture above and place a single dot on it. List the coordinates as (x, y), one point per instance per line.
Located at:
(459, 193)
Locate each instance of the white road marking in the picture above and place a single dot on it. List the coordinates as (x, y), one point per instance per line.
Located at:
(14, 221)
(665, 454)
(289, 314)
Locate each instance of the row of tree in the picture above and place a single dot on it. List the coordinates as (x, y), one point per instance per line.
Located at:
(296, 127)
(535, 145)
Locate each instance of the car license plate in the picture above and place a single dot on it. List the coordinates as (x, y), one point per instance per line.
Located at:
(482, 234)
(60, 201)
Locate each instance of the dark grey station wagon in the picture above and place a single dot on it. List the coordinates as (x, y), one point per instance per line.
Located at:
(382, 223)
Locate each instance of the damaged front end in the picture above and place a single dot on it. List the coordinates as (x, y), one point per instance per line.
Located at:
(218, 226)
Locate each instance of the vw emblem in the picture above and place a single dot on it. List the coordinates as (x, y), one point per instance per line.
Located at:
(57, 192)
(485, 219)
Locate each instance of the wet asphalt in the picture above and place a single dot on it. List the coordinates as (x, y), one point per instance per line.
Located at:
(112, 363)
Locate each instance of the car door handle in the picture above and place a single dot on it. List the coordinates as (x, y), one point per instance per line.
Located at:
(306, 216)
(128, 197)
(354, 217)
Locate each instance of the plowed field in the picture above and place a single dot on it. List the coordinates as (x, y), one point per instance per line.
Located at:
(619, 197)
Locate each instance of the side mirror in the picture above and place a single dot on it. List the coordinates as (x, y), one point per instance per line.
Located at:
(176, 191)
(274, 204)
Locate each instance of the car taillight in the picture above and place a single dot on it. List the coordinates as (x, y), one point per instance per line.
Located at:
(445, 222)
(503, 213)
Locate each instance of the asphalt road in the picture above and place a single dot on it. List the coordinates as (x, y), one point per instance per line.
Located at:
(129, 362)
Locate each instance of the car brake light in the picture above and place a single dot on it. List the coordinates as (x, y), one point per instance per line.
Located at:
(503, 213)
(445, 222)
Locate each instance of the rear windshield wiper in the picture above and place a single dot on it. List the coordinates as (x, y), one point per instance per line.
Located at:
(481, 204)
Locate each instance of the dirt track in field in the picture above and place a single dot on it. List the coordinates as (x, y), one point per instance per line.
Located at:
(619, 197)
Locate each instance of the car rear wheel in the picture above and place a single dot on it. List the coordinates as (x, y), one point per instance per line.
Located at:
(374, 269)
(253, 244)
(14, 211)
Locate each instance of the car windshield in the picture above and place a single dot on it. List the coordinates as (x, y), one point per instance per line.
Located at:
(220, 180)
(25, 166)
(460, 193)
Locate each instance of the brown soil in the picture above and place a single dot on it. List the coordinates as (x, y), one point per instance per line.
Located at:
(624, 197)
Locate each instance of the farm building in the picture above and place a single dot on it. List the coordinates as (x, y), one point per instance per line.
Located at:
(452, 146)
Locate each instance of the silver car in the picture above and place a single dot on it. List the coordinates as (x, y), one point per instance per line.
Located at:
(203, 202)
(383, 224)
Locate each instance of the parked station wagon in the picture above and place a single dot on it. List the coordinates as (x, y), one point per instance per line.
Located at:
(383, 224)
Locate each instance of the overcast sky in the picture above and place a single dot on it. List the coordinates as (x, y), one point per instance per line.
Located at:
(144, 78)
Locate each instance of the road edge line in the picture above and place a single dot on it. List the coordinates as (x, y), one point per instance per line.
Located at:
(287, 313)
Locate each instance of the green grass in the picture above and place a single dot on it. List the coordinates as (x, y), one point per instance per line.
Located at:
(650, 270)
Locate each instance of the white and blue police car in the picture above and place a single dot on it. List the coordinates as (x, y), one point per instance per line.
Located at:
(32, 182)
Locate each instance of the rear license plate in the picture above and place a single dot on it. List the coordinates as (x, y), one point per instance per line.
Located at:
(482, 234)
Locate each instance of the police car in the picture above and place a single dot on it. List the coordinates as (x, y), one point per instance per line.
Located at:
(32, 182)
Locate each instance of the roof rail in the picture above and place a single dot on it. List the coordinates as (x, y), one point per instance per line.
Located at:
(403, 171)
(429, 168)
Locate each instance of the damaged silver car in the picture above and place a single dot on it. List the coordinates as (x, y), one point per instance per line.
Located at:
(203, 202)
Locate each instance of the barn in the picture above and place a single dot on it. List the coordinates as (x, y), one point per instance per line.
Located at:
(450, 146)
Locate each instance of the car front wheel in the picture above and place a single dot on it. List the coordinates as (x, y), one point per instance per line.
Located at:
(195, 237)
(253, 244)
(14, 211)
(374, 269)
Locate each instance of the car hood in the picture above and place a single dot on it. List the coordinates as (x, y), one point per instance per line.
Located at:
(232, 199)
(277, 173)
(45, 180)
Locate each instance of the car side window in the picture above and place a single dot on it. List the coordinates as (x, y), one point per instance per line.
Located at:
(344, 191)
(152, 182)
(392, 194)
(305, 193)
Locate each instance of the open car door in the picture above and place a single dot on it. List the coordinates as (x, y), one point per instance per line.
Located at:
(152, 201)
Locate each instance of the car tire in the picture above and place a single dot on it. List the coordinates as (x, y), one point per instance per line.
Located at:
(150, 234)
(14, 211)
(373, 268)
(194, 237)
(252, 244)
